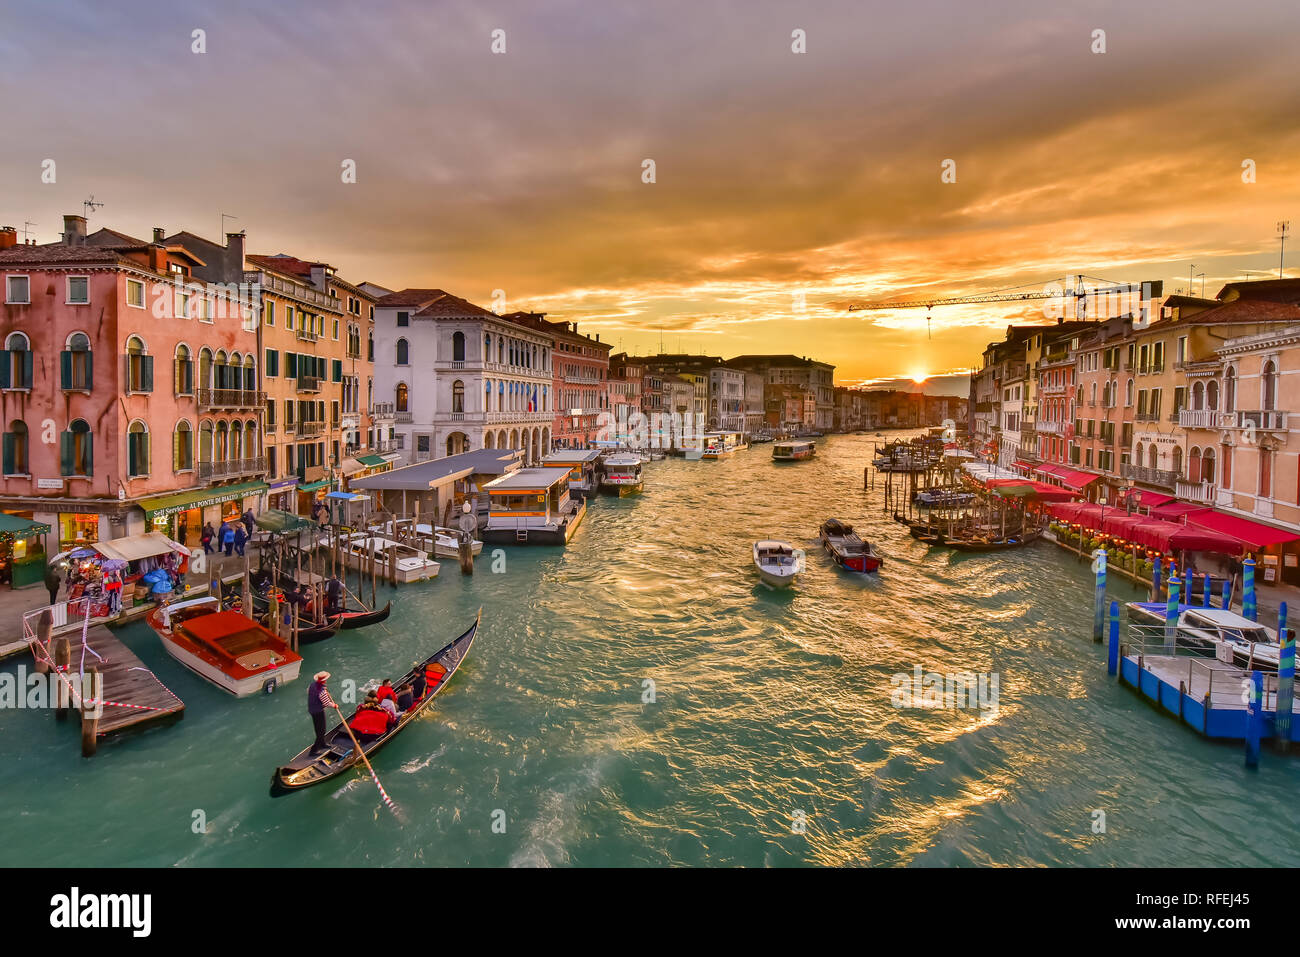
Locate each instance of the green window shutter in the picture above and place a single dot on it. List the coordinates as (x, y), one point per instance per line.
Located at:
(177, 464)
(65, 369)
(90, 370)
(90, 454)
(65, 453)
(5, 365)
(338, 370)
(146, 373)
(9, 453)
(27, 370)
(291, 364)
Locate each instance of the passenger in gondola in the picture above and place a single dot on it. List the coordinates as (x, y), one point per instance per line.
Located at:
(334, 591)
(418, 683)
(385, 691)
(390, 706)
(405, 698)
(370, 719)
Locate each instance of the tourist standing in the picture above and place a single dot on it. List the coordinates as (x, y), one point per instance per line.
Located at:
(205, 539)
(52, 583)
(227, 538)
(249, 521)
(240, 537)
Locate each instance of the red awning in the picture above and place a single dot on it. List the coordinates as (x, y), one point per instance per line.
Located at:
(1066, 511)
(1076, 480)
(1121, 525)
(1174, 511)
(1254, 534)
(1171, 536)
(1048, 469)
(1143, 498)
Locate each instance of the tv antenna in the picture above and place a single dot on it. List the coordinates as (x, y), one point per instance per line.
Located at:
(1282, 227)
(90, 205)
(25, 225)
(224, 217)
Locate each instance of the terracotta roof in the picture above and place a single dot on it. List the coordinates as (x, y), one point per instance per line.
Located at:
(112, 239)
(1274, 290)
(435, 304)
(56, 254)
(289, 265)
(1239, 310)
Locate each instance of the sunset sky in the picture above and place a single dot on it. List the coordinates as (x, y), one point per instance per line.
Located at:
(778, 173)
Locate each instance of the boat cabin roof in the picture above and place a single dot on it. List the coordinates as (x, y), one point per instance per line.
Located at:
(771, 545)
(791, 443)
(572, 457)
(528, 481)
(623, 458)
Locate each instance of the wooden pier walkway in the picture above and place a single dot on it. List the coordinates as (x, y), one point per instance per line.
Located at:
(132, 695)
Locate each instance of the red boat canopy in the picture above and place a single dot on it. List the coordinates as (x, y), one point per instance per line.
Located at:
(1254, 534)
(1032, 489)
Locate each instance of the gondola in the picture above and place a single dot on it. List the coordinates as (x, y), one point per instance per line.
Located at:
(359, 618)
(340, 754)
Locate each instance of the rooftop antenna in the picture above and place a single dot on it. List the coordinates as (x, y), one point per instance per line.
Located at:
(1282, 227)
(1201, 277)
(90, 205)
(25, 225)
(224, 217)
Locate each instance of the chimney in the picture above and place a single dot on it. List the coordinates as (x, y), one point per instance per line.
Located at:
(235, 255)
(74, 230)
(158, 233)
(8, 237)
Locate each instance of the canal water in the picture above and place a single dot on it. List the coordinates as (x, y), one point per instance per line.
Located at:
(638, 698)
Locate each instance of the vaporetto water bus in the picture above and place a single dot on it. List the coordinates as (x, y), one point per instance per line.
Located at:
(621, 474)
(794, 450)
(581, 464)
(533, 507)
(718, 445)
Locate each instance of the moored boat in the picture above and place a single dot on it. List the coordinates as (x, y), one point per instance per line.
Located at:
(793, 450)
(779, 563)
(340, 754)
(224, 647)
(362, 549)
(847, 548)
(582, 465)
(720, 445)
(533, 507)
(621, 474)
(1215, 631)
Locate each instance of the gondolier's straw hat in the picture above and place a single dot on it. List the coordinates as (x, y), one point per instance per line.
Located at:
(320, 676)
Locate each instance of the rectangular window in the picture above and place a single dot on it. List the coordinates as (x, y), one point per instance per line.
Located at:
(337, 370)
(270, 416)
(183, 305)
(288, 413)
(288, 317)
(270, 462)
(182, 450)
(137, 448)
(139, 373)
(270, 312)
(78, 290)
(18, 290)
(135, 293)
(403, 318)
(336, 330)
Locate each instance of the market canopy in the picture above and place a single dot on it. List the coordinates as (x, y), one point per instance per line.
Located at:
(1122, 525)
(316, 486)
(351, 466)
(1145, 498)
(372, 461)
(1076, 480)
(1176, 511)
(1066, 511)
(16, 526)
(170, 504)
(1171, 537)
(135, 547)
(275, 520)
(1028, 488)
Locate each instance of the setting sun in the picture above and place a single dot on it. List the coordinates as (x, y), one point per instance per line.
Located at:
(919, 376)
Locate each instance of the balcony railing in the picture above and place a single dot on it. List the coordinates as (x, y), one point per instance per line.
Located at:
(402, 417)
(1267, 419)
(309, 383)
(242, 399)
(231, 468)
(310, 428)
(1161, 478)
(382, 410)
(1147, 417)
(1197, 491)
(306, 335)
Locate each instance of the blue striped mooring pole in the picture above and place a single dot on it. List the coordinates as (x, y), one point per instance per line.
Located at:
(1155, 580)
(1171, 614)
(1285, 682)
(1248, 608)
(1112, 650)
(1205, 592)
(1099, 601)
(1227, 595)
(1254, 719)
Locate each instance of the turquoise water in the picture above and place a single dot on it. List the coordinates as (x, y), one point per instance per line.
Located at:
(766, 705)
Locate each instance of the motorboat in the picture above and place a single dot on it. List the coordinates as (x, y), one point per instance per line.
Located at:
(847, 548)
(793, 450)
(1216, 631)
(227, 648)
(621, 474)
(779, 563)
(362, 550)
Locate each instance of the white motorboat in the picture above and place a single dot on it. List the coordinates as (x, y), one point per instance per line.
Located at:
(1225, 633)
(362, 549)
(621, 474)
(779, 563)
(446, 541)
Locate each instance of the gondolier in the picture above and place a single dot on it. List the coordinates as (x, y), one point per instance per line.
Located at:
(318, 699)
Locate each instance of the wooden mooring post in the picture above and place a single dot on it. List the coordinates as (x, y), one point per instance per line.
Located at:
(90, 716)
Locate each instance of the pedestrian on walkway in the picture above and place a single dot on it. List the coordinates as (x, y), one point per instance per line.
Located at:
(240, 537)
(227, 538)
(52, 583)
(206, 538)
(249, 521)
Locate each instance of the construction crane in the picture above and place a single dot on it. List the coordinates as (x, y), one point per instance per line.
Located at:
(1075, 287)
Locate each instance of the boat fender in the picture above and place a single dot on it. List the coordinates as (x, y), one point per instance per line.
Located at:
(269, 685)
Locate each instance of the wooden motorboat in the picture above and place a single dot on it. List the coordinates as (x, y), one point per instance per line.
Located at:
(779, 563)
(224, 647)
(340, 754)
(847, 548)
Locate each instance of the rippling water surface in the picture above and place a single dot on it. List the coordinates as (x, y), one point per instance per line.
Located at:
(767, 706)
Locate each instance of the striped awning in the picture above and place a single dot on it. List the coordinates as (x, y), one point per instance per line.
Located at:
(170, 504)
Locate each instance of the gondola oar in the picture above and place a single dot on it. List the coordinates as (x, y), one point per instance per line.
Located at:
(397, 812)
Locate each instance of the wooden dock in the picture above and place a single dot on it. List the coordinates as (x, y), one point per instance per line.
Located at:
(132, 695)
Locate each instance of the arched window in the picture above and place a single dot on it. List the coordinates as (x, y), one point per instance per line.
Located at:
(403, 352)
(1153, 456)
(182, 447)
(17, 367)
(1212, 395)
(76, 450)
(1225, 480)
(184, 377)
(1093, 399)
(1207, 464)
(1230, 391)
(206, 444)
(139, 367)
(402, 396)
(1178, 460)
(1128, 393)
(1198, 396)
(75, 364)
(15, 449)
(252, 448)
(1137, 453)
(458, 347)
(235, 452)
(487, 347)
(137, 449)
(205, 368)
(1269, 385)
(1194, 465)
(458, 395)
(370, 347)
(1265, 473)
(221, 371)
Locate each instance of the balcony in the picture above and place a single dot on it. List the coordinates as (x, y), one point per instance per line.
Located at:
(305, 335)
(1147, 417)
(402, 417)
(383, 410)
(309, 429)
(309, 383)
(1204, 492)
(1160, 478)
(1050, 428)
(1268, 420)
(496, 417)
(243, 400)
(1198, 418)
(231, 469)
